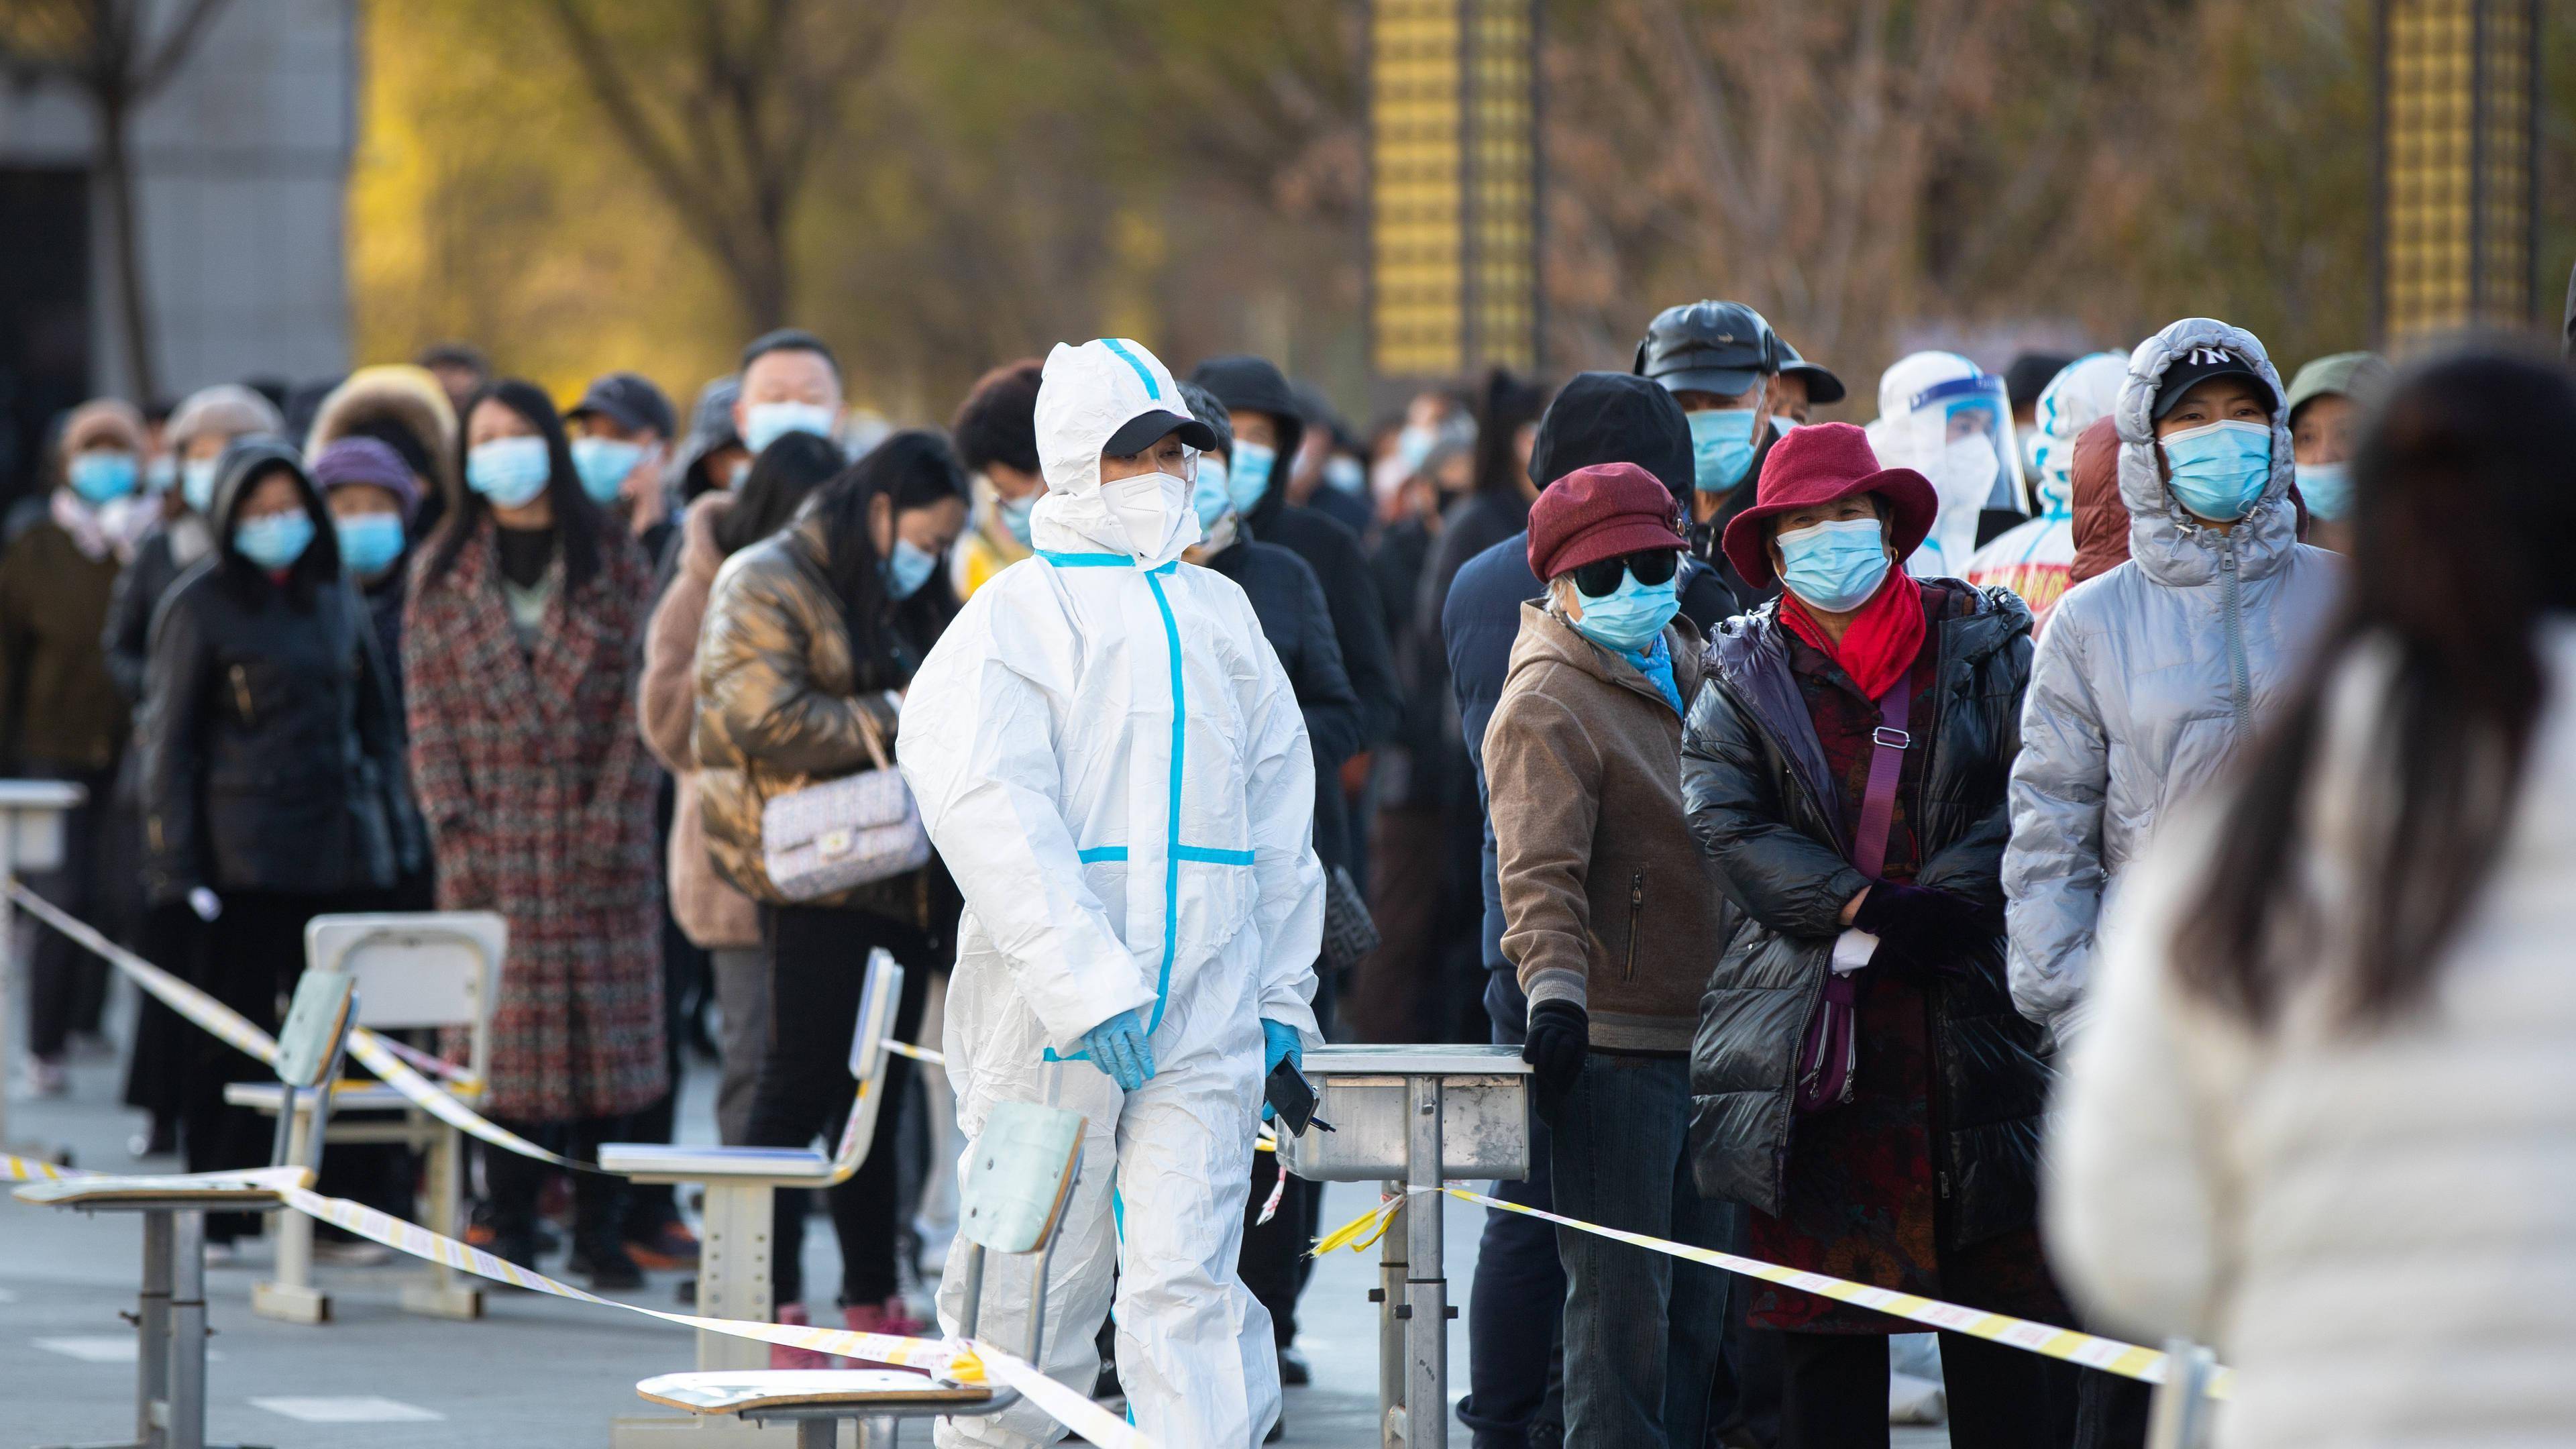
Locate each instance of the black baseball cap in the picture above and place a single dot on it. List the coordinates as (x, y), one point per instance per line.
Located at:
(1822, 386)
(1146, 429)
(2199, 365)
(630, 400)
(1719, 347)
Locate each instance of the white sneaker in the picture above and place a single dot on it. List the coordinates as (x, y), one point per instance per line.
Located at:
(222, 1255)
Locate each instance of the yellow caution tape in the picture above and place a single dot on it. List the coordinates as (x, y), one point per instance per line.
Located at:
(917, 1053)
(2090, 1350)
(377, 1054)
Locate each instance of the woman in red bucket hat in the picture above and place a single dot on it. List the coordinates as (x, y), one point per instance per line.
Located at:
(1860, 1080)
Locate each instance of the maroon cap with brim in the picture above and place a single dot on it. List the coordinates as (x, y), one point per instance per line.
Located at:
(1819, 464)
(1609, 510)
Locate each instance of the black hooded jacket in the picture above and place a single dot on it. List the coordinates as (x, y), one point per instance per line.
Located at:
(1330, 548)
(1299, 627)
(271, 757)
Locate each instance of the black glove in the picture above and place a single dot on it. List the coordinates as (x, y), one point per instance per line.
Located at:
(1560, 1032)
(1924, 928)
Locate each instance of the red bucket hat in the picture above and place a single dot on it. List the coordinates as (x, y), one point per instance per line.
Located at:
(1608, 510)
(1825, 463)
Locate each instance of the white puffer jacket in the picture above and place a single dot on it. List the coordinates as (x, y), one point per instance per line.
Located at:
(2148, 680)
(2376, 1231)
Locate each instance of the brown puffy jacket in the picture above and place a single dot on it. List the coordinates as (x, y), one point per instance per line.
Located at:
(2101, 519)
(712, 913)
(780, 707)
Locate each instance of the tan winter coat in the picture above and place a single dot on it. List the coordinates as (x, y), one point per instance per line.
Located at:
(709, 911)
(780, 706)
(1607, 900)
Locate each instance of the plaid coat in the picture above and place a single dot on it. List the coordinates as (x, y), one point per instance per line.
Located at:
(539, 798)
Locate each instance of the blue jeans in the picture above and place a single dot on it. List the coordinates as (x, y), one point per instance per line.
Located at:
(1513, 1350)
(1644, 1331)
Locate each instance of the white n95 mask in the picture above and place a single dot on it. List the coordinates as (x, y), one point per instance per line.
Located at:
(1154, 509)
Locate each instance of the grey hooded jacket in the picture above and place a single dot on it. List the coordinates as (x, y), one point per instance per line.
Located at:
(2148, 680)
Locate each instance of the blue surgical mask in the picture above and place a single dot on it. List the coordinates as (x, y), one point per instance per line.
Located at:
(1343, 472)
(197, 486)
(510, 472)
(1209, 497)
(908, 569)
(1782, 424)
(102, 477)
(274, 541)
(1015, 516)
(1630, 616)
(1834, 566)
(1250, 476)
(765, 423)
(161, 474)
(2220, 468)
(369, 542)
(1413, 443)
(1722, 447)
(2327, 487)
(603, 464)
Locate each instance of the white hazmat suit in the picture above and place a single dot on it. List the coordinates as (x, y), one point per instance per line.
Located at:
(1112, 764)
(1941, 417)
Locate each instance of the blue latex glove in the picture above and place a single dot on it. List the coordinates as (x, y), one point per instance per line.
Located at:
(1279, 1042)
(1118, 1047)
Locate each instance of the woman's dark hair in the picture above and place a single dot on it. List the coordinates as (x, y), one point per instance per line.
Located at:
(912, 469)
(998, 421)
(782, 477)
(1504, 405)
(577, 519)
(2463, 522)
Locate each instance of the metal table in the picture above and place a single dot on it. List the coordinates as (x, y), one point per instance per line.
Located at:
(1411, 1117)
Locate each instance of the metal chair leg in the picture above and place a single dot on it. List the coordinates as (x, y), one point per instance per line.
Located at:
(152, 1333)
(187, 1401)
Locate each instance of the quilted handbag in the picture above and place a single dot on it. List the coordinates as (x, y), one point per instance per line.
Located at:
(826, 838)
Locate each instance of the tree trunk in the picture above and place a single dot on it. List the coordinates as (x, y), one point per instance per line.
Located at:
(116, 173)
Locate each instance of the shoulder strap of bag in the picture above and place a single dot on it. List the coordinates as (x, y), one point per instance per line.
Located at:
(1888, 744)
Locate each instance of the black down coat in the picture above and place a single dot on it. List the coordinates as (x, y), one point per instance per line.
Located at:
(1763, 804)
(272, 760)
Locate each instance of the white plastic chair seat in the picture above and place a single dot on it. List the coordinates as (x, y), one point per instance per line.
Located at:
(786, 1166)
(264, 1097)
(740, 1391)
(146, 1193)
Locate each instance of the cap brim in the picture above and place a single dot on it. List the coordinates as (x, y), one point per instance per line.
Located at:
(1723, 381)
(1146, 429)
(1822, 385)
(2169, 395)
(1617, 541)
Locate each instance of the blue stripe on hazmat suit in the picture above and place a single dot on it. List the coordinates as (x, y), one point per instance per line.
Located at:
(1112, 763)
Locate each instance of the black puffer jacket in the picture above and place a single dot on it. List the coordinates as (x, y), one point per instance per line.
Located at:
(1299, 628)
(1762, 803)
(271, 757)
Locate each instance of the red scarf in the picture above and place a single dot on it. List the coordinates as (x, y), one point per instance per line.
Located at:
(1884, 637)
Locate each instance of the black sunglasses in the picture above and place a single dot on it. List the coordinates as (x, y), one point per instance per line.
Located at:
(1652, 566)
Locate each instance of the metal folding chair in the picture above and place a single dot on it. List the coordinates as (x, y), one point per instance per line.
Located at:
(170, 1327)
(413, 969)
(1018, 1179)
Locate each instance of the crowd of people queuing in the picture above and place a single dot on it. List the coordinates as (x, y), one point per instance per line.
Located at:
(1791, 793)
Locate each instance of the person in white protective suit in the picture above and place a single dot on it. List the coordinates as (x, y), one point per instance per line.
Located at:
(1112, 763)
(1941, 417)
(2037, 559)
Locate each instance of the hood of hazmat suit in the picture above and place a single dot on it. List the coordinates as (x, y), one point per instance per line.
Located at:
(2036, 559)
(1111, 762)
(1941, 417)
(2149, 680)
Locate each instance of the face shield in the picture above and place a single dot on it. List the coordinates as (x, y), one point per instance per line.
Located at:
(1963, 431)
